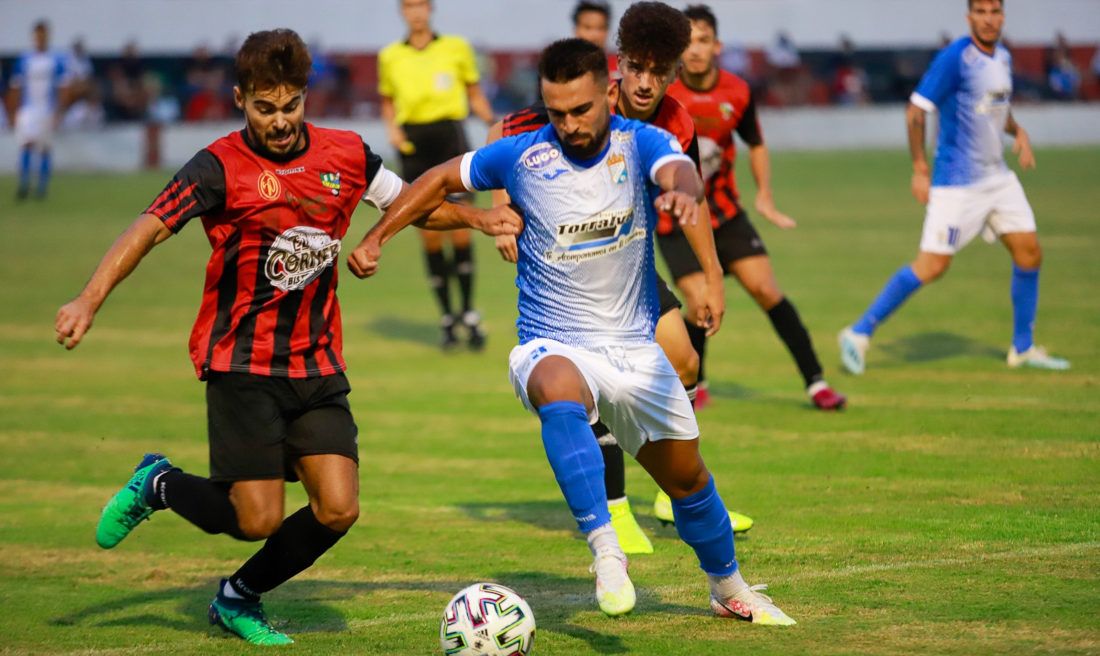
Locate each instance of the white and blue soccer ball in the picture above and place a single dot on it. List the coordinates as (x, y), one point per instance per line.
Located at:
(487, 619)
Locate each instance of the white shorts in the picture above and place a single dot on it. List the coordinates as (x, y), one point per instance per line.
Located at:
(956, 215)
(33, 125)
(636, 390)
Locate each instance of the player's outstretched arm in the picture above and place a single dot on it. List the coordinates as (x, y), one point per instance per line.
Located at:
(423, 204)
(75, 317)
(684, 200)
(507, 245)
(1022, 145)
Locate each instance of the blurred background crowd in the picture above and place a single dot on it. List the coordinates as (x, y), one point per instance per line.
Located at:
(129, 85)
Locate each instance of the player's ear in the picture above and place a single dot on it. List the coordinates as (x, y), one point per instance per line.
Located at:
(717, 47)
(238, 98)
(612, 93)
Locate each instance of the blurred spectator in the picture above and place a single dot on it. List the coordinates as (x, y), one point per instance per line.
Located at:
(85, 109)
(206, 94)
(1096, 65)
(786, 83)
(127, 97)
(735, 59)
(850, 82)
(1063, 76)
(782, 55)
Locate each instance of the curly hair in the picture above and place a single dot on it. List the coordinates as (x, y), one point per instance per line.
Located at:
(654, 32)
(272, 58)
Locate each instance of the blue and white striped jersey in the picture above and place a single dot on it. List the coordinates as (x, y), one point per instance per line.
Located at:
(586, 274)
(972, 91)
(39, 75)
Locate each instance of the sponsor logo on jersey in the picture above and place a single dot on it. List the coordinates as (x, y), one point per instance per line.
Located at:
(540, 156)
(604, 234)
(268, 186)
(296, 169)
(298, 256)
(331, 181)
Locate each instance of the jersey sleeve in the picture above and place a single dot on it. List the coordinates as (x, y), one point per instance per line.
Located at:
(941, 79)
(658, 147)
(749, 126)
(467, 63)
(489, 167)
(197, 189)
(383, 185)
(385, 85)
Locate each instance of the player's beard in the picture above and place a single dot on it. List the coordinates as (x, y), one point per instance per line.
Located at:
(591, 148)
(264, 140)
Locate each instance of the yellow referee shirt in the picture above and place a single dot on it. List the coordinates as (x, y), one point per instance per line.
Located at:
(428, 85)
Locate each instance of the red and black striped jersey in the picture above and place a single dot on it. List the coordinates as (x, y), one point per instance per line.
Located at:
(269, 302)
(726, 108)
(670, 115)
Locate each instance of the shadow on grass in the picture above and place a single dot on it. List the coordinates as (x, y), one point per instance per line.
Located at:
(929, 347)
(554, 515)
(302, 607)
(406, 330)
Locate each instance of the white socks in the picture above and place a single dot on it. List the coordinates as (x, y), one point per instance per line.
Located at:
(603, 540)
(727, 587)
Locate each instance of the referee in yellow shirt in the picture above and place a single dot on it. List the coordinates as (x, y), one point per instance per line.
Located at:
(429, 84)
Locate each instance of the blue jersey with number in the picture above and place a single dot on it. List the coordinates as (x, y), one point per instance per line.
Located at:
(972, 91)
(585, 274)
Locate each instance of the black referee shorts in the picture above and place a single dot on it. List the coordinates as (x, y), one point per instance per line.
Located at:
(735, 239)
(260, 425)
(435, 143)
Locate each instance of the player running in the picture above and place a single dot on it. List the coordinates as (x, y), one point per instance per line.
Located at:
(588, 309)
(38, 84)
(655, 35)
(722, 103)
(972, 190)
(275, 199)
(429, 84)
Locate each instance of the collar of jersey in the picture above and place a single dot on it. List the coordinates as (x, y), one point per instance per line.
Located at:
(274, 157)
(408, 42)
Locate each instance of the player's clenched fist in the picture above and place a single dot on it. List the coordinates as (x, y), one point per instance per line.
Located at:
(679, 205)
(73, 320)
(500, 220)
(363, 261)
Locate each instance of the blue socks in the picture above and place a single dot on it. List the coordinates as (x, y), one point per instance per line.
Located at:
(702, 522)
(575, 458)
(900, 287)
(44, 172)
(25, 167)
(1025, 302)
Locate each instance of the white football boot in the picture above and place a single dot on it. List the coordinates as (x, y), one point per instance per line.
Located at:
(853, 350)
(614, 590)
(750, 605)
(1037, 358)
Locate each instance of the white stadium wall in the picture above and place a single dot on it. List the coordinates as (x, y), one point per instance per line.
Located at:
(165, 26)
(123, 148)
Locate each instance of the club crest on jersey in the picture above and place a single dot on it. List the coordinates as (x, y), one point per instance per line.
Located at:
(540, 156)
(726, 109)
(616, 164)
(268, 186)
(298, 256)
(607, 232)
(331, 181)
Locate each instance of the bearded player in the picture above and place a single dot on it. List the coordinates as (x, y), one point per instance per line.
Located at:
(274, 199)
(651, 38)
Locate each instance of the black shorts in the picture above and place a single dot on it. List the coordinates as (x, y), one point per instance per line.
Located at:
(435, 143)
(260, 425)
(666, 298)
(735, 239)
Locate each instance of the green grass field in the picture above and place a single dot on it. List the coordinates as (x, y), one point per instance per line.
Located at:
(952, 509)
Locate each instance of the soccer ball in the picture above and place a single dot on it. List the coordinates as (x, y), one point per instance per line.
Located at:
(487, 619)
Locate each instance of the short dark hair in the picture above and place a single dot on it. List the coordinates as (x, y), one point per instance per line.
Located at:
(41, 24)
(272, 58)
(654, 31)
(702, 13)
(970, 4)
(598, 6)
(569, 59)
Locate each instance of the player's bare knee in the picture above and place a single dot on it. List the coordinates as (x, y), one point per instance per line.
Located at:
(687, 367)
(931, 269)
(687, 480)
(766, 294)
(1029, 257)
(259, 526)
(556, 380)
(338, 517)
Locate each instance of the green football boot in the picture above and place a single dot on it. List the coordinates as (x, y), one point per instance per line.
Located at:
(662, 510)
(245, 619)
(130, 505)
